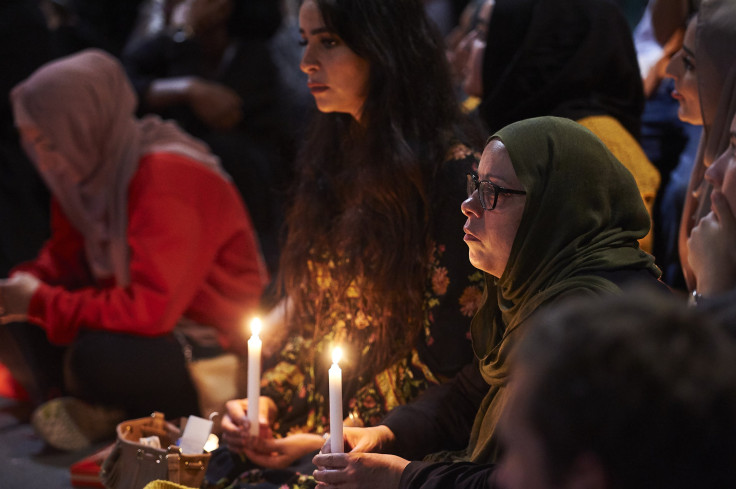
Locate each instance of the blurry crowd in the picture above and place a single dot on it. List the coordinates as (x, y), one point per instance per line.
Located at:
(516, 217)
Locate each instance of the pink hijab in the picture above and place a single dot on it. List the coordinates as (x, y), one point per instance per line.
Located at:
(80, 110)
(715, 57)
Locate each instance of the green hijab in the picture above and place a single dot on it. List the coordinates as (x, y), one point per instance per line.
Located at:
(583, 216)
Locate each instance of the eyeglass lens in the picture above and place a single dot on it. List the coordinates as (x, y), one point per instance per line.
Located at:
(486, 192)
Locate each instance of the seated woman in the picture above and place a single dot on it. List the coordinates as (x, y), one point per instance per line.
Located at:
(571, 59)
(370, 260)
(705, 81)
(711, 254)
(551, 214)
(152, 253)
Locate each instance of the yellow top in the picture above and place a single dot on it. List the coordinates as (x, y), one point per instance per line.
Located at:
(628, 151)
(470, 104)
(162, 484)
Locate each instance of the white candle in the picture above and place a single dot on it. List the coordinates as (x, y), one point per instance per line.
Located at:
(336, 443)
(254, 374)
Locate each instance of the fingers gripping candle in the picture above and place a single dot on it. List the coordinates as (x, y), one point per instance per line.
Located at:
(254, 374)
(336, 443)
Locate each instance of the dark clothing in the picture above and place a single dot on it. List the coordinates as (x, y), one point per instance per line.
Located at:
(24, 208)
(246, 67)
(459, 475)
(102, 368)
(152, 368)
(722, 307)
(633, 11)
(24, 46)
(24, 199)
(569, 59)
(104, 24)
(442, 417)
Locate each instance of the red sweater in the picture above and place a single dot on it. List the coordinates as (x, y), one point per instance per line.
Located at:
(193, 253)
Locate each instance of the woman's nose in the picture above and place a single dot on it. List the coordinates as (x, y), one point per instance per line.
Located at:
(471, 206)
(715, 172)
(671, 69)
(308, 62)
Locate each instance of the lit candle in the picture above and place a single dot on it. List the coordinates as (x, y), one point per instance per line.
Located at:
(254, 374)
(336, 443)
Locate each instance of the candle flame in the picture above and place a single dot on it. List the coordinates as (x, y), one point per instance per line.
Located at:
(255, 326)
(336, 354)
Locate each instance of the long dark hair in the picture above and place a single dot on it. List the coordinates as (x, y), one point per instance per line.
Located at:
(363, 193)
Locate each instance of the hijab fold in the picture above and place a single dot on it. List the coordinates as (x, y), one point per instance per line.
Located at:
(86, 143)
(583, 216)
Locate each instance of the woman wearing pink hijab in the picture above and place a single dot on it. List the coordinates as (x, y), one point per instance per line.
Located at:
(152, 253)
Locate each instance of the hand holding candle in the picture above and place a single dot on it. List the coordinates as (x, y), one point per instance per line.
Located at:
(336, 443)
(254, 375)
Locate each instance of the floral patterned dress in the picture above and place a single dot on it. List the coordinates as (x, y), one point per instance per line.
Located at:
(298, 383)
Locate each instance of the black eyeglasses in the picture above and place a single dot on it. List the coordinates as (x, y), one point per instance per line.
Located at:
(487, 191)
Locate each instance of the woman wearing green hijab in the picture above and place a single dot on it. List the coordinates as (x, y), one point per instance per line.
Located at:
(578, 234)
(551, 213)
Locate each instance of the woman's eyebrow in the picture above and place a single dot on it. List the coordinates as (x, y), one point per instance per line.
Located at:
(318, 30)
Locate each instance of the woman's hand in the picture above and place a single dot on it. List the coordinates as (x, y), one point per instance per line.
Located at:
(236, 426)
(217, 105)
(15, 296)
(377, 439)
(358, 470)
(711, 253)
(282, 452)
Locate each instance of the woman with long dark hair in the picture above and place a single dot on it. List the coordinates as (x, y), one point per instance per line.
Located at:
(372, 261)
(705, 78)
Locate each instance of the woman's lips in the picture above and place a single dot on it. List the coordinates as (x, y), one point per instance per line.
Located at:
(469, 236)
(317, 87)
